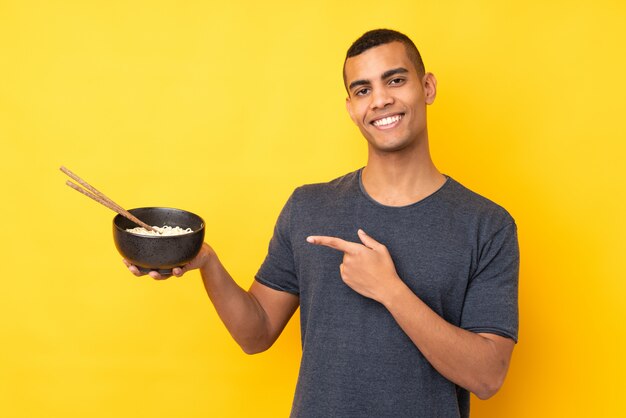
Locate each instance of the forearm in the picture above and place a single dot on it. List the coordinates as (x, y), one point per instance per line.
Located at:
(463, 357)
(238, 309)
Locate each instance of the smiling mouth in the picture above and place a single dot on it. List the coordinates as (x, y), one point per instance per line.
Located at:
(388, 121)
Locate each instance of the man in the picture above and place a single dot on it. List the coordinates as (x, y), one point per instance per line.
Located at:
(406, 280)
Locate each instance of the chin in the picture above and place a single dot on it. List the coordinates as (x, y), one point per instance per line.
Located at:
(388, 146)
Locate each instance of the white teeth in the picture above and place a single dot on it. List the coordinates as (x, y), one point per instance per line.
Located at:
(387, 121)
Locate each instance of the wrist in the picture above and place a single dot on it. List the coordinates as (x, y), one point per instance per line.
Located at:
(206, 257)
(393, 293)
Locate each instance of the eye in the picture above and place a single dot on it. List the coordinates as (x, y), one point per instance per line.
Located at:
(362, 92)
(396, 81)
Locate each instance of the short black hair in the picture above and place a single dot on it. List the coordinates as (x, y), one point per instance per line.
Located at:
(377, 37)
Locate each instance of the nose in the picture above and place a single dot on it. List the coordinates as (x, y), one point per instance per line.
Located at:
(380, 98)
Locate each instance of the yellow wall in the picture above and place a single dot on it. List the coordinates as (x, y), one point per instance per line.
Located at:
(222, 108)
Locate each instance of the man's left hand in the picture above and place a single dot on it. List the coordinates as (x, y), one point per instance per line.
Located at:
(367, 268)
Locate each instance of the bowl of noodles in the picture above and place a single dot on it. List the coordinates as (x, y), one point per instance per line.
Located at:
(178, 238)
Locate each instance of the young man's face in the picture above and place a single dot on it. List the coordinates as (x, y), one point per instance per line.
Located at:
(387, 98)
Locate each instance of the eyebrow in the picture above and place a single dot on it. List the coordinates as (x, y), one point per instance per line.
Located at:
(390, 73)
(386, 74)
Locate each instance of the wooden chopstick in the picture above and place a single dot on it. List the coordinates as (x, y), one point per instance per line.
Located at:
(101, 198)
(90, 188)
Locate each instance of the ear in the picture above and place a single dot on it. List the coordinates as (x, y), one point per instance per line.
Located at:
(429, 83)
(349, 109)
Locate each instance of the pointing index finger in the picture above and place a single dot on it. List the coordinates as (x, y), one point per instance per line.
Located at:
(332, 242)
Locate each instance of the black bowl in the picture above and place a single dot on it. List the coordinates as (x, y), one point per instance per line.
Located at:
(161, 253)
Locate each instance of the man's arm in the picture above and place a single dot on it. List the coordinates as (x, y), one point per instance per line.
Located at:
(255, 318)
(477, 362)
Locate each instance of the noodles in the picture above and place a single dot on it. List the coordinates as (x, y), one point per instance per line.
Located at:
(165, 230)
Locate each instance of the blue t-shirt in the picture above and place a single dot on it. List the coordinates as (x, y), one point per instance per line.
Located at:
(456, 250)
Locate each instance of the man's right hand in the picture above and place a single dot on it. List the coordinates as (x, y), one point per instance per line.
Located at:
(198, 262)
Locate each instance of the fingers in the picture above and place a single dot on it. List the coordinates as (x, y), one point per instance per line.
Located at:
(368, 241)
(154, 274)
(133, 269)
(333, 242)
(345, 246)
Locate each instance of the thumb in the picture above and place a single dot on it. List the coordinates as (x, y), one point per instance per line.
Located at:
(179, 271)
(368, 241)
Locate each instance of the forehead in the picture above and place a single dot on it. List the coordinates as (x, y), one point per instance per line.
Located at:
(372, 63)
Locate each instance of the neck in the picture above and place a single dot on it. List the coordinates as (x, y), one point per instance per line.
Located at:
(401, 178)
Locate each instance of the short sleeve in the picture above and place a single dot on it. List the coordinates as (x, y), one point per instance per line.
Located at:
(491, 301)
(278, 268)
